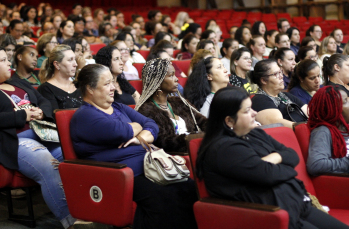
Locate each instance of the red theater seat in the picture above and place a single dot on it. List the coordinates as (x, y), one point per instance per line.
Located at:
(96, 47)
(144, 53)
(139, 67)
(183, 65)
(95, 191)
(137, 84)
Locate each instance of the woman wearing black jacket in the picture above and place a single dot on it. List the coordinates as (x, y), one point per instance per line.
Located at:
(21, 149)
(243, 163)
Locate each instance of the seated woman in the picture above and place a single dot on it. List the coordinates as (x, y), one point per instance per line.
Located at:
(22, 149)
(207, 45)
(211, 35)
(44, 47)
(243, 35)
(76, 46)
(188, 48)
(327, 48)
(293, 34)
(66, 31)
(336, 71)
(174, 115)
(135, 57)
(228, 47)
(273, 105)
(328, 122)
(242, 163)
(9, 44)
(306, 80)
(257, 47)
(307, 52)
(110, 57)
(25, 59)
(55, 76)
(269, 38)
(240, 66)
(104, 130)
(286, 60)
(208, 76)
(129, 70)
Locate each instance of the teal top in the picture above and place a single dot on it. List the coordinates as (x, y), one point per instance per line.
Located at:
(40, 60)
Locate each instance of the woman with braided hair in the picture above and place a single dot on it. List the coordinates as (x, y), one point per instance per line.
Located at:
(328, 122)
(174, 115)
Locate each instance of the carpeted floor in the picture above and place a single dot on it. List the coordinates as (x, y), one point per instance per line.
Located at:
(44, 218)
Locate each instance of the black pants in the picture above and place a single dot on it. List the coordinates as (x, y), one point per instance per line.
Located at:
(160, 207)
(317, 219)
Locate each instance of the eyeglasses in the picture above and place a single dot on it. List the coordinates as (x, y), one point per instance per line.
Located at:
(124, 50)
(276, 75)
(53, 42)
(317, 31)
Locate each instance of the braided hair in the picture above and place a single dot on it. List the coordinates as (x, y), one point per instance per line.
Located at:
(325, 109)
(153, 74)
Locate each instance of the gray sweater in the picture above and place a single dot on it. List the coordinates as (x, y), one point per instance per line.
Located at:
(320, 153)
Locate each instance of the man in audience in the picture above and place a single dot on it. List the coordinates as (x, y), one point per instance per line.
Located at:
(77, 10)
(283, 25)
(112, 20)
(47, 27)
(15, 16)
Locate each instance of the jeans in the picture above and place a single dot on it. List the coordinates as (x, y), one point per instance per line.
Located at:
(39, 161)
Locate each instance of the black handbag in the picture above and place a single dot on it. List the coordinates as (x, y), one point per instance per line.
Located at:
(293, 109)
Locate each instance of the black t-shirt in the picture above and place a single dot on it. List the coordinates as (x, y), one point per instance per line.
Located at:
(126, 97)
(59, 98)
(263, 102)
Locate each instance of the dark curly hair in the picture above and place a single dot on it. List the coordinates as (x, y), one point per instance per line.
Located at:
(104, 57)
(197, 87)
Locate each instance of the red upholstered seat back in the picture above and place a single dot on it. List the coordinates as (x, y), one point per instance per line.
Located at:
(137, 84)
(139, 67)
(6, 176)
(183, 65)
(287, 137)
(182, 81)
(303, 136)
(144, 53)
(194, 146)
(63, 118)
(96, 47)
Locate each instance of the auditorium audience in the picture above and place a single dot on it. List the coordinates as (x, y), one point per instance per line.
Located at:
(9, 44)
(316, 33)
(269, 38)
(283, 25)
(327, 48)
(188, 49)
(257, 47)
(337, 34)
(286, 60)
(243, 35)
(258, 28)
(65, 31)
(135, 57)
(293, 35)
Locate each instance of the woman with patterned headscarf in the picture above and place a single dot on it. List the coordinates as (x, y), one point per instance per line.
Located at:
(175, 116)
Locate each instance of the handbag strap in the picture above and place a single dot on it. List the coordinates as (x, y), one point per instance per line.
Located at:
(144, 144)
(13, 102)
(296, 107)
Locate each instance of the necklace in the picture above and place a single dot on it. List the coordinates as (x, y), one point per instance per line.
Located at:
(168, 108)
(31, 75)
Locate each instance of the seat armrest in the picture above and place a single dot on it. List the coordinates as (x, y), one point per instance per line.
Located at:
(256, 206)
(179, 153)
(98, 191)
(332, 190)
(96, 163)
(214, 213)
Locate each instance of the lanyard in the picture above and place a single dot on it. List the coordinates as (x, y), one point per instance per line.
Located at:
(32, 75)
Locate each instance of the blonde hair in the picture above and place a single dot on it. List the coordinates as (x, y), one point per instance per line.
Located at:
(199, 55)
(181, 19)
(323, 47)
(43, 41)
(47, 69)
(346, 49)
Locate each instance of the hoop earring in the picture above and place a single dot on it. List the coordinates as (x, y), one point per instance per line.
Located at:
(231, 128)
(159, 90)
